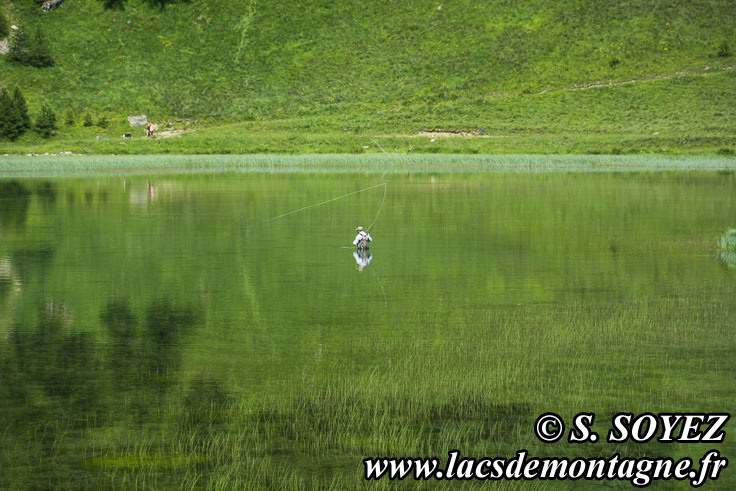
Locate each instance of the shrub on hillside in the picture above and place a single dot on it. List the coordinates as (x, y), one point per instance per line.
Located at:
(113, 4)
(723, 50)
(30, 52)
(161, 3)
(46, 122)
(103, 122)
(69, 118)
(120, 4)
(4, 25)
(87, 121)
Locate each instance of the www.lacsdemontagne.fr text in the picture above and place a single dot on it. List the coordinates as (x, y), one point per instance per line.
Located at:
(550, 428)
(641, 472)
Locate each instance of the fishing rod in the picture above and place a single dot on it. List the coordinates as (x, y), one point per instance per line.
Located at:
(340, 197)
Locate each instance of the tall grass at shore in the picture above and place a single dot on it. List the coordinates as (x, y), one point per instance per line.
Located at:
(75, 165)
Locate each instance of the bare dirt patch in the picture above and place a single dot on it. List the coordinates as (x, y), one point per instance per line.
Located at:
(171, 133)
(446, 133)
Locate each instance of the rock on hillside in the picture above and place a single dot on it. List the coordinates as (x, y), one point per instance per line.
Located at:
(136, 121)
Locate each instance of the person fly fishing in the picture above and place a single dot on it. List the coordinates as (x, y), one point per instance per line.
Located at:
(362, 240)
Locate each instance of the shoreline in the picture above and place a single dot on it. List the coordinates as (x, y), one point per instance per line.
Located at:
(82, 165)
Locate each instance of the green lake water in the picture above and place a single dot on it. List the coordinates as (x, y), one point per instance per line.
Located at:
(168, 332)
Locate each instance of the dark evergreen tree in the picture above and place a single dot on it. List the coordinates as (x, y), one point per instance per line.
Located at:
(46, 122)
(40, 55)
(11, 122)
(162, 3)
(723, 50)
(87, 121)
(114, 4)
(22, 108)
(27, 51)
(4, 25)
(20, 47)
(4, 113)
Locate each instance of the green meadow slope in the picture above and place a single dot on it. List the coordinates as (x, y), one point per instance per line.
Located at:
(338, 76)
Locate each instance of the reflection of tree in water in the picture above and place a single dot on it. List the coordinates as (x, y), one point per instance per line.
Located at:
(16, 269)
(60, 364)
(204, 410)
(6, 276)
(58, 383)
(14, 201)
(123, 357)
(141, 363)
(29, 261)
(77, 374)
(46, 192)
(165, 326)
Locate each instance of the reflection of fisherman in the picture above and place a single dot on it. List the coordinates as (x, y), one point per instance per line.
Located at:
(362, 258)
(362, 239)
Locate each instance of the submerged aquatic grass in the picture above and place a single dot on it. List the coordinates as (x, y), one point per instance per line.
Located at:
(177, 339)
(419, 399)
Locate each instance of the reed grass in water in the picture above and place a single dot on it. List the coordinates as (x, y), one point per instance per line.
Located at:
(75, 165)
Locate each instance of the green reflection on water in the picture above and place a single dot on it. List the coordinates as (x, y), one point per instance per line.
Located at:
(169, 332)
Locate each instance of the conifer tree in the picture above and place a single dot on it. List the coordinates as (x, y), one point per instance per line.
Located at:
(20, 47)
(40, 55)
(22, 108)
(4, 25)
(46, 122)
(11, 122)
(27, 51)
(4, 108)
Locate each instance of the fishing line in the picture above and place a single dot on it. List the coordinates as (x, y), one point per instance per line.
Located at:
(379, 208)
(340, 197)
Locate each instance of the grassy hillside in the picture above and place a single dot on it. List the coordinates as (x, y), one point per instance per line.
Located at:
(578, 76)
